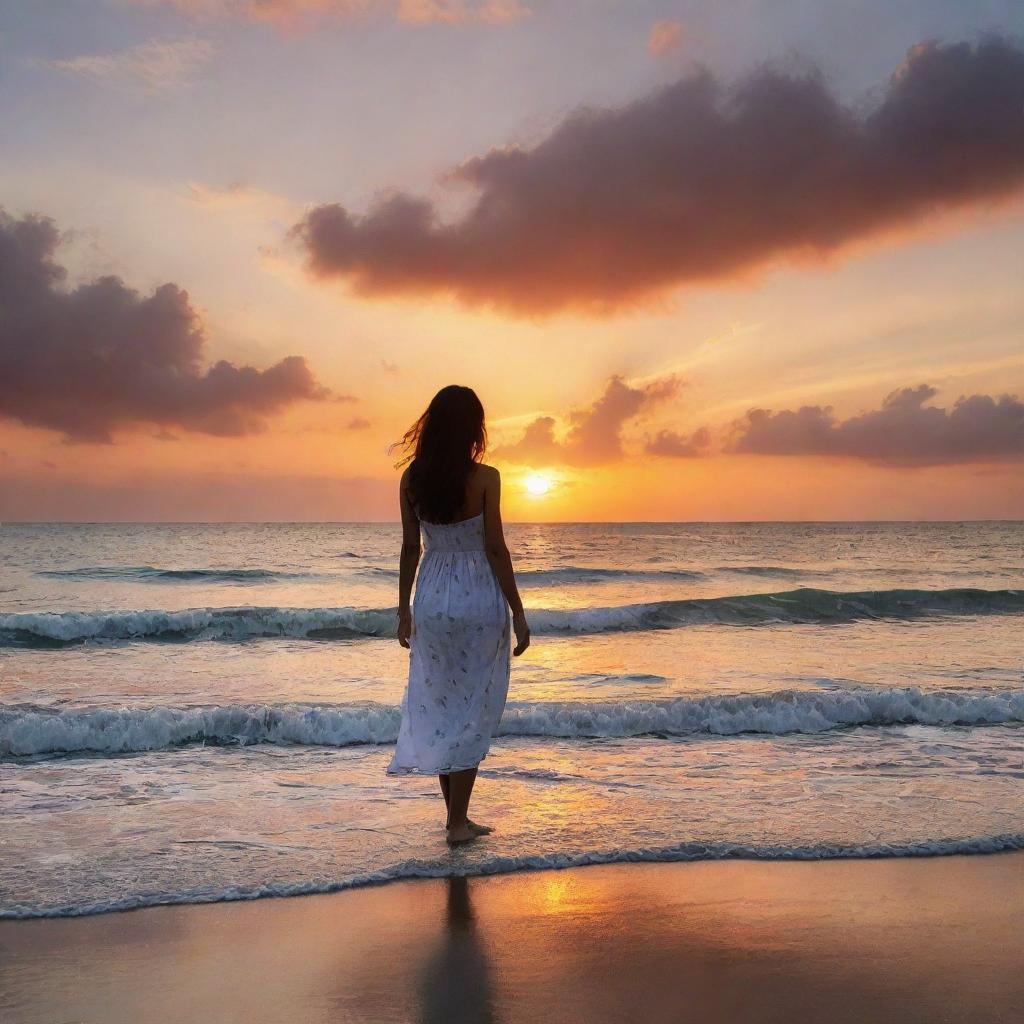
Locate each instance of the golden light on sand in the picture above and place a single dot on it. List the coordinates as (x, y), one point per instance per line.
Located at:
(538, 484)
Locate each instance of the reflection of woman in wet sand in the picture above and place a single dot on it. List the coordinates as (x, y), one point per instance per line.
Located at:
(456, 985)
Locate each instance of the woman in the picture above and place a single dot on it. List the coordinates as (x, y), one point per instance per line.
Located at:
(457, 630)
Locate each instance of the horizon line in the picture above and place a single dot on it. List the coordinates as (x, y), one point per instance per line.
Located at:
(506, 522)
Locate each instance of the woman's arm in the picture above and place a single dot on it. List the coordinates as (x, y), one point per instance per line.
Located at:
(408, 560)
(501, 561)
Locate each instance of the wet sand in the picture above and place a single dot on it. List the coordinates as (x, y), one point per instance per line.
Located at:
(911, 940)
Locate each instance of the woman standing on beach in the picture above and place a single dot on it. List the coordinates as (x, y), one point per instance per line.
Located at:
(457, 628)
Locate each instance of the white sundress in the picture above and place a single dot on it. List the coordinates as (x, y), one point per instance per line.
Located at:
(459, 655)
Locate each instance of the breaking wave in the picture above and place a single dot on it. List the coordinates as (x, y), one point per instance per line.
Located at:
(580, 574)
(775, 571)
(805, 605)
(30, 730)
(566, 574)
(151, 574)
(244, 623)
(585, 574)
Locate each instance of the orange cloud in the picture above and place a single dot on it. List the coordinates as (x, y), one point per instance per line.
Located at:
(595, 432)
(457, 12)
(290, 14)
(679, 446)
(694, 182)
(666, 37)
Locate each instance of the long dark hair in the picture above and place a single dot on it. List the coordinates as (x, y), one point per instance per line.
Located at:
(441, 448)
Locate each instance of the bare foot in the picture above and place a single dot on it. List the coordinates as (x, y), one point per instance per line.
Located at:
(480, 830)
(461, 834)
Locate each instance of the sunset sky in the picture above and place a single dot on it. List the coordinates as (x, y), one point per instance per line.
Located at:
(745, 261)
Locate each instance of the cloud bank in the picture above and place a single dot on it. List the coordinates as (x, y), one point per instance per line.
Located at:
(595, 432)
(90, 360)
(679, 446)
(906, 431)
(903, 432)
(695, 182)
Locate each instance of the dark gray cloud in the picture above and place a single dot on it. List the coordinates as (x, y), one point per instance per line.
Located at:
(595, 432)
(679, 446)
(90, 360)
(904, 431)
(697, 181)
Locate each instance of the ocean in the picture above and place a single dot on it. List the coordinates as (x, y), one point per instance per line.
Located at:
(196, 713)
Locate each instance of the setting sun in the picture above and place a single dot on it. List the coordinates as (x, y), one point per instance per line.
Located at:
(538, 484)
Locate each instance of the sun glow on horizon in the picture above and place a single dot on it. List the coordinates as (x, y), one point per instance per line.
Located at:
(538, 484)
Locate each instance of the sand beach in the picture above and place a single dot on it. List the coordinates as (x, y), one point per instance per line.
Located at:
(914, 941)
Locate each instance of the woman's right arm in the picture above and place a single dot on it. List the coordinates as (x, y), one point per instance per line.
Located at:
(501, 561)
(408, 560)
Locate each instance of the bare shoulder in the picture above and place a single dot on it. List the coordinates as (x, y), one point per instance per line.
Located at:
(405, 497)
(488, 480)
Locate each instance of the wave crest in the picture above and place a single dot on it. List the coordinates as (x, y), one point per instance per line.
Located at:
(244, 623)
(39, 731)
(151, 574)
(803, 606)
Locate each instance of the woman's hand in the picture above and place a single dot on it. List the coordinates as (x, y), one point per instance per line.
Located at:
(522, 631)
(404, 627)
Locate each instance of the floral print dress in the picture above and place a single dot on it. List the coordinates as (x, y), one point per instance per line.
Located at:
(458, 657)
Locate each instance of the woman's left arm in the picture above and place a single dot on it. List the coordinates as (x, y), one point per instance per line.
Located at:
(408, 561)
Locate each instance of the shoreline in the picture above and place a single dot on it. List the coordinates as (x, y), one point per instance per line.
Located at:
(924, 939)
(693, 852)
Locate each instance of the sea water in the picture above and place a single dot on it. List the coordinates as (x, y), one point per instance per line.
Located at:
(194, 713)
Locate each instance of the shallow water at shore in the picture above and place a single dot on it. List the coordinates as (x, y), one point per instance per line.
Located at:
(787, 690)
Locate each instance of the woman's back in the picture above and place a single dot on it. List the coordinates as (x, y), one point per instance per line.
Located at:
(472, 507)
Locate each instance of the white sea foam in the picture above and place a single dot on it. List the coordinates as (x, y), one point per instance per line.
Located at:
(196, 623)
(806, 605)
(498, 865)
(31, 730)
(126, 730)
